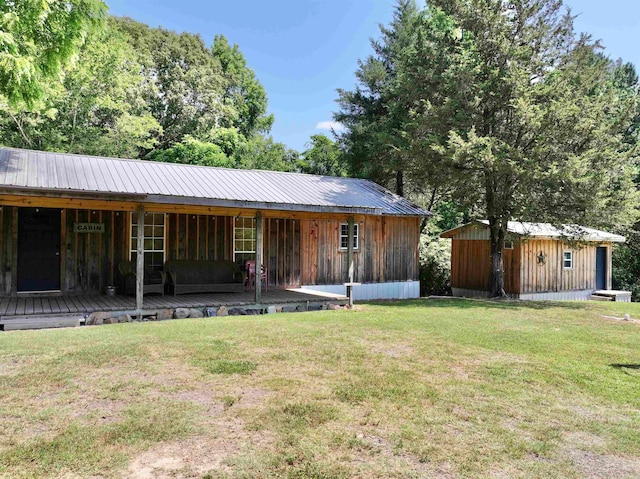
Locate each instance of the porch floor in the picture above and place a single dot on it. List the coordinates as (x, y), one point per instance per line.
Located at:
(86, 304)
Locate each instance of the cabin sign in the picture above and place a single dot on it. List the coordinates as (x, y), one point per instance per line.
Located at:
(88, 227)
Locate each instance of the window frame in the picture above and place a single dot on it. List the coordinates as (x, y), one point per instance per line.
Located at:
(244, 239)
(133, 247)
(345, 237)
(508, 244)
(565, 259)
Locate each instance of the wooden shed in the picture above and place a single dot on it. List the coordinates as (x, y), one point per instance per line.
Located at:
(541, 261)
(68, 221)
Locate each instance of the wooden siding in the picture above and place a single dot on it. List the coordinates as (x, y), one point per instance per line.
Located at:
(551, 276)
(296, 250)
(89, 262)
(198, 237)
(387, 251)
(471, 266)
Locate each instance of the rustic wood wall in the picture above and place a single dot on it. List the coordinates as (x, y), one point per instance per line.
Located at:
(281, 243)
(551, 276)
(296, 251)
(8, 251)
(471, 265)
(89, 262)
(387, 251)
(204, 237)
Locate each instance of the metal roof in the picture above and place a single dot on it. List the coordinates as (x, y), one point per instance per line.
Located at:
(152, 181)
(546, 230)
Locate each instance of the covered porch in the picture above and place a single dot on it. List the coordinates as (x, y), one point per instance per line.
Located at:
(56, 310)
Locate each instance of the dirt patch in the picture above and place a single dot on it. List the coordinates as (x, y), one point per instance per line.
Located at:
(189, 458)
(252, 397)
(603, 466)
(204, 397)
(197, 455)
(391, 350)
(584, 440)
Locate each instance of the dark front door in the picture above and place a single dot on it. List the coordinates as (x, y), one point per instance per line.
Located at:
(38, 249)
(601, 268)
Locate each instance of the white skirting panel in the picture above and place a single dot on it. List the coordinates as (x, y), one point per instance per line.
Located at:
(581, 295)
(366, 291)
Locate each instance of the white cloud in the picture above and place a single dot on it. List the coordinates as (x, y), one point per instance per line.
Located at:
(330, 125)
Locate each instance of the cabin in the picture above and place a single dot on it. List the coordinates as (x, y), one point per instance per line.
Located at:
(541, 261)
(72, 226)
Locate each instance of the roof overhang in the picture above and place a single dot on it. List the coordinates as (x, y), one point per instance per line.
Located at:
(574, 232)
(190, 201)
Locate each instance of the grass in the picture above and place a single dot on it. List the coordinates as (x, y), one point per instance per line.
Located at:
(443, 389)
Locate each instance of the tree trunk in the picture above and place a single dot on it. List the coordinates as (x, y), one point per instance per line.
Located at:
(399, 183)
(497, 228)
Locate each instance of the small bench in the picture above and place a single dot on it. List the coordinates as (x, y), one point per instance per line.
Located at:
(204, 276)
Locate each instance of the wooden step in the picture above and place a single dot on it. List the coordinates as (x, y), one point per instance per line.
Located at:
(597, 297)
(13, 323)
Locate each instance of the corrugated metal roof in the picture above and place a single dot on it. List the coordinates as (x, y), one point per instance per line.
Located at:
(188, 184)
(546, 230)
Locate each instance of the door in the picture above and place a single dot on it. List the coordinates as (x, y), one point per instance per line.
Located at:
(601, 268)
(38, 249)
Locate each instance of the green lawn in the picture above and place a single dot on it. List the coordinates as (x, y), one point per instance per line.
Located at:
(434, 389)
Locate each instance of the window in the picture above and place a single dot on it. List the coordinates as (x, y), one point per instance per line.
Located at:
(344, 236)
(567, 260)
(153, 240)
(508, 245)
(244, 239)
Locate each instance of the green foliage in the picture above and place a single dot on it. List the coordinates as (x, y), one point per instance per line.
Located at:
(228, 366)
(38, 39)
(505, 106)
(323, 157)
(97, 110)
(193, 152)
(626, 264)
(242, 90)
(435, 260)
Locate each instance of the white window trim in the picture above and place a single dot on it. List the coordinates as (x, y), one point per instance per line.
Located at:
(508, 244)
(164, 237)
(356, 236)
(564, 259)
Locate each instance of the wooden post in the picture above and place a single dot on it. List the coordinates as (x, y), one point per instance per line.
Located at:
(140, 262)
(350, 248)
(258, 280)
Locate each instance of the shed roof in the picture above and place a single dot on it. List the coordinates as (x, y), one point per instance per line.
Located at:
(172, 183)
(544, 230)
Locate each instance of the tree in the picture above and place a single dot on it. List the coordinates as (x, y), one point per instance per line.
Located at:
(520, 117)
(38, 39)
(191, 151)
(323, 157)
(99, 109)
(242, 90)
(188, 82)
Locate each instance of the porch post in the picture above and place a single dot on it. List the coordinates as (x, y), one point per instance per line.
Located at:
(350, 248)
(258, 280)
(140, 262)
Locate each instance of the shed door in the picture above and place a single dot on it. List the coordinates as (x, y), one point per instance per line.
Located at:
(601, 268)
(38, 249)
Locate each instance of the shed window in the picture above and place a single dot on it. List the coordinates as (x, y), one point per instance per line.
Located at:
(244, 239)
(154, 251)
(344, 236)
(567, 260)
(508, 245)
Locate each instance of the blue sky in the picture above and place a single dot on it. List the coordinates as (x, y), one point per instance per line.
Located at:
(302, 51)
